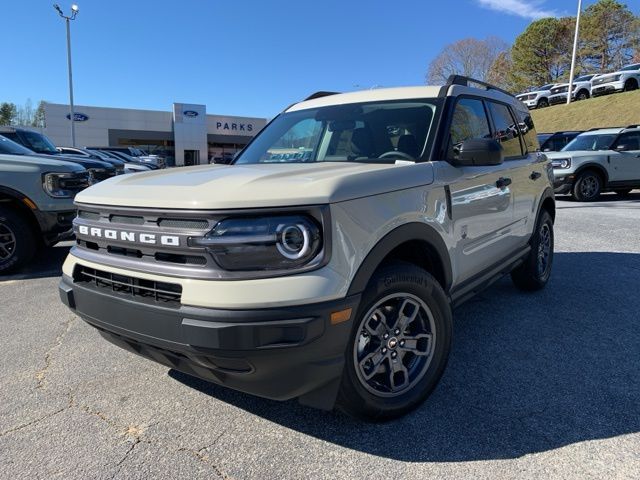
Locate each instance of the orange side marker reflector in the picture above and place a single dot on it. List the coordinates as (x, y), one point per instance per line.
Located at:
(341, 316)
(29, 204)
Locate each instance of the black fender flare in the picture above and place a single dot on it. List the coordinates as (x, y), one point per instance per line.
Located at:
(594, 166)
(402, 234)
(547, 194)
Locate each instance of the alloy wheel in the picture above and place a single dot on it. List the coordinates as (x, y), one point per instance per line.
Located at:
(544, 250)
(7, 242)
(589, 186)
(395, 345)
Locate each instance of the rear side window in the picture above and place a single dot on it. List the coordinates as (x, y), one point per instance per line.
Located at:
(527, 129)
(506, 130)
(469, 121)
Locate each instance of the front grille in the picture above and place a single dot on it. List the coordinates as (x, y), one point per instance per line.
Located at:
(161, 292)
(126, 219)
(601, 80)
(89, 215)
(186, 223)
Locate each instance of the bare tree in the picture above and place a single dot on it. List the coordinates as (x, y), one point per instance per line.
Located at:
(470, 57)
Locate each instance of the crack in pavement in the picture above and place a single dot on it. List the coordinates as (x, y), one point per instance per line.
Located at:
(34, 422)
(41, 374)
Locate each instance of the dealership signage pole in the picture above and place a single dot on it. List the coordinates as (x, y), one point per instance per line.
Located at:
(573, 56)
(74, 12)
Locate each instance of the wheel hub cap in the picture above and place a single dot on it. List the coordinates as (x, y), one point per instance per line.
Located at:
(395, 346)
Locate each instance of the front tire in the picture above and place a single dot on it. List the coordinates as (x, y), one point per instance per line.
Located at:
(583, 95)
(17, 241)
(399, 345)
(588, 186)
(630, 85)
(534, 273)
(543, 103)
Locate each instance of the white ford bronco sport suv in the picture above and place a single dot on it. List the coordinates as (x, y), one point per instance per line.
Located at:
(324, 262)
(596, 161)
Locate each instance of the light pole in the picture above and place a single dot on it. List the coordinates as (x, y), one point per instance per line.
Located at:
(575, 50)
(74, 12)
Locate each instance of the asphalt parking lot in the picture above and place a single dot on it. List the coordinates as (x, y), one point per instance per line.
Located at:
(544, 385)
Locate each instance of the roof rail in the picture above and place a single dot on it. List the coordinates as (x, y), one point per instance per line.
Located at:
(465, 81)
(319, 95)
(633, 126)
(604, 128)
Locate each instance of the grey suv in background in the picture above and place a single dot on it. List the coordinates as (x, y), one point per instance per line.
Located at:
(597, 161)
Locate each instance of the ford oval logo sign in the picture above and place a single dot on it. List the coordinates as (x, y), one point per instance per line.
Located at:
(78, 117)
(190, 113)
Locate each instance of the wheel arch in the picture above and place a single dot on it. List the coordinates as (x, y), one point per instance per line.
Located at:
(548, 203)
(417, 243)
(15, 199)
(598, 168)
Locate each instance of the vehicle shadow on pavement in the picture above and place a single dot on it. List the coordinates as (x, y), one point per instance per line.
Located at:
(527, 373)
(47, 263)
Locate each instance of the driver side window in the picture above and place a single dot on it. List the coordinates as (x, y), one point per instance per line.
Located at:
(469, 121)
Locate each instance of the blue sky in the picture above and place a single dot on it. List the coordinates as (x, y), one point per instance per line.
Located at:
(239, 58)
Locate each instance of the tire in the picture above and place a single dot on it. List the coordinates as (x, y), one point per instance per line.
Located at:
(582, 95)
(630, 85)
(534, 273)
(587, 186)
(17, 241)
(396, 288)
(623, 192)
(543, 103)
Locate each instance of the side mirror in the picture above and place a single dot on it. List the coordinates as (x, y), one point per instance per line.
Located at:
(478, 152)
(622, 147)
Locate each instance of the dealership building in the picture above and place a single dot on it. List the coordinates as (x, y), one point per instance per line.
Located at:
(186, 134)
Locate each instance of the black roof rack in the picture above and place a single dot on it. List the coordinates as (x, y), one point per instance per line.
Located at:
(465, 81)
(319, 95)
(603, 128)
(633, 126)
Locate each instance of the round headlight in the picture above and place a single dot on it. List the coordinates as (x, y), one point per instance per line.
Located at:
(294, 241)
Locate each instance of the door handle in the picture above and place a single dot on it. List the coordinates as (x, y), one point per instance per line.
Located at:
(503, 182)
(535, 175)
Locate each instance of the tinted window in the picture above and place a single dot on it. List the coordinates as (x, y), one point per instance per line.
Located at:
(635, 66)
(507, 132)
(631, 141)
(527, 128)
(12, 148)
(590, 142)
(469, 121)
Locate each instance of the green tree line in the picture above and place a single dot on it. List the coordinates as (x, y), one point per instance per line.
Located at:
(24, 115)
(609, 38)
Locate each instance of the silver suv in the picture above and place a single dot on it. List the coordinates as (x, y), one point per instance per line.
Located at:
(600, 160)
(324, 263)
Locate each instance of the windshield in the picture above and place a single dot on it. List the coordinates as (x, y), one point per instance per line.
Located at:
(635, 66)
(584, 78)
(12, 148)
(591, 142)
(378, 132)
(39, 143)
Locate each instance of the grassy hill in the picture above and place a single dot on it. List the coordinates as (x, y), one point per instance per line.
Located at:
(617, 110)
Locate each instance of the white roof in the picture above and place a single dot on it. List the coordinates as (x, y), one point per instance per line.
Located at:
(379, 94)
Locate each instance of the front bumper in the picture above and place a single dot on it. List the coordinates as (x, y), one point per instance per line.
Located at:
(607, 88)
(563, 182)
(56, 226)
(278, 353)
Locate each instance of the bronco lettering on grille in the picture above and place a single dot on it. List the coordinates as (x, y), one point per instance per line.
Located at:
(147, 238)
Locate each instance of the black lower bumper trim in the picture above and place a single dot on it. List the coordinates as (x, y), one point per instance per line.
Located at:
(278, 353)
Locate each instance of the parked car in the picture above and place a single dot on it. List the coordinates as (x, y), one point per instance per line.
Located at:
(137, 154)
(329, 278)
(537, 98)
(554, 142)
(131, 163)
(98, 170)
(129, 159)
(624, 80)
(119, 165)
(597, 161)
(581, 90)
(36, 202)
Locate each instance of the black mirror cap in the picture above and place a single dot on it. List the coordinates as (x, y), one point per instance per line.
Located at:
(479, 152)
(622, 147)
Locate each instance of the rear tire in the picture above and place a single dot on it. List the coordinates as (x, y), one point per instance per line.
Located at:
(399, 345)
(534, 273)
(17, 241)
(630, 85)
(587, 186)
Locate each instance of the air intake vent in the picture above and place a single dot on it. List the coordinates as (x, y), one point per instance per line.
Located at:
(162, 292)
(89, 215)
(186, 223)
(126, 219)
